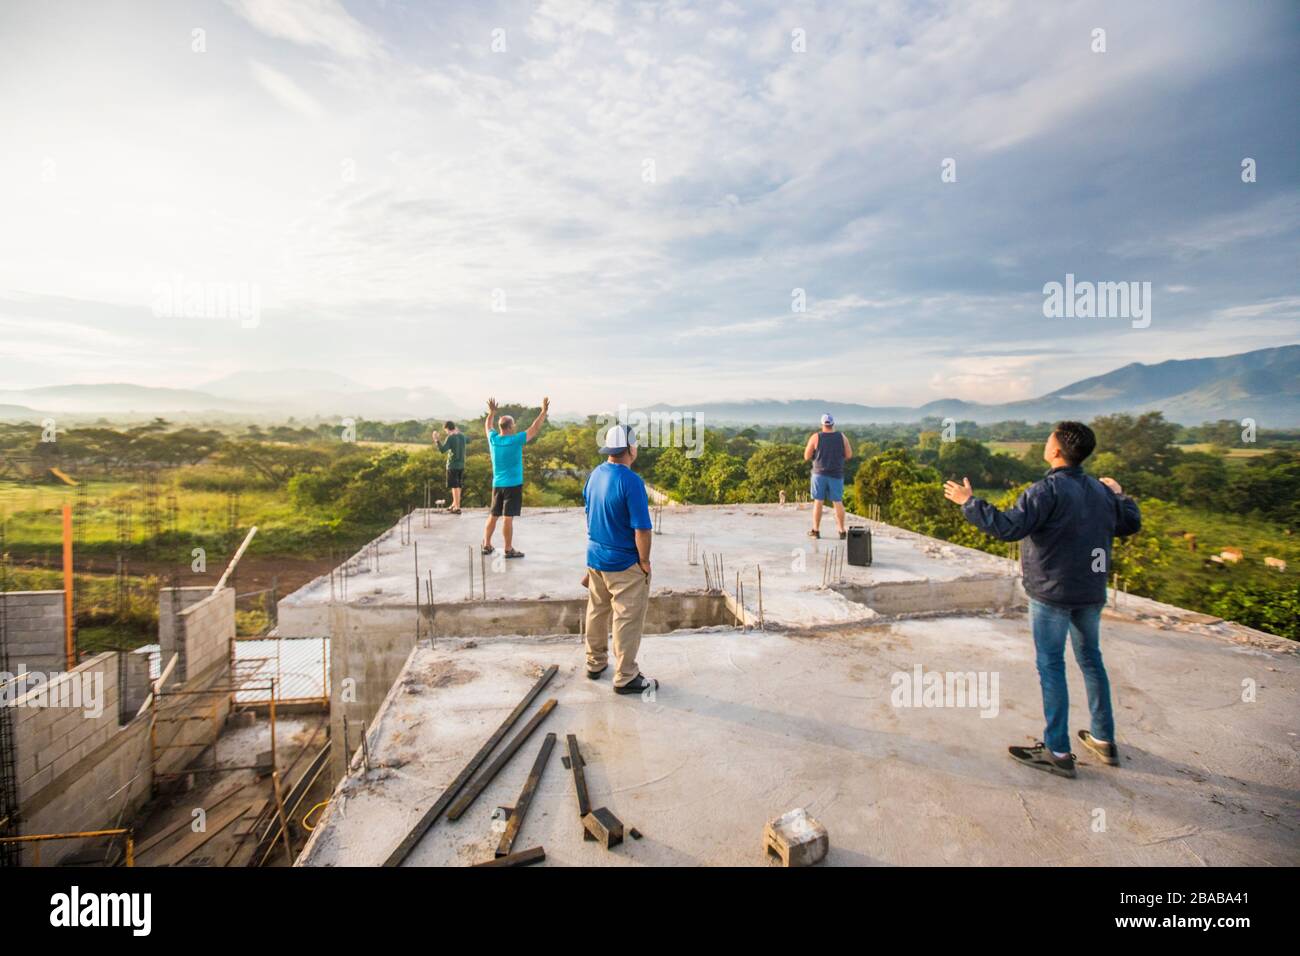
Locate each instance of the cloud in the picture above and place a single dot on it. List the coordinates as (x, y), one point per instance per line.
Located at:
(646, 183)
(313, 23)
(285, 91)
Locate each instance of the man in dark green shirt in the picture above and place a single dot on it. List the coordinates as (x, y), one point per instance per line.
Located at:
(454, 446)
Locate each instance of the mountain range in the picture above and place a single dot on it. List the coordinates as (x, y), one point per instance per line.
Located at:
(1263, 385)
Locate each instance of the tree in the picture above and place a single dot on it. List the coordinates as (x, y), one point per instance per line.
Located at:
(878, 476)
(1201, 479)
(774, 469)
(1143, 443)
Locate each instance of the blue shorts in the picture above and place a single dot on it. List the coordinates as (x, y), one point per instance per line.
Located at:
(826, 488)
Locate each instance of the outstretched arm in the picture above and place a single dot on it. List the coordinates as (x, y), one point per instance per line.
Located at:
(489, 423)
(1028, 515)
(536, 426)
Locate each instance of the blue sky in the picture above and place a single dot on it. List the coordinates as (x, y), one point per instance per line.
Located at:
(385, 179)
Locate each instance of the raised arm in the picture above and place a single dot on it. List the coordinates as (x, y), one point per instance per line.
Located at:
(1128, 519)
(489, 423)
(536, 426)
(1027, 516)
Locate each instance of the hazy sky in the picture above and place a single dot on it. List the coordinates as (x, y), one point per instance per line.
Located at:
(643, 186)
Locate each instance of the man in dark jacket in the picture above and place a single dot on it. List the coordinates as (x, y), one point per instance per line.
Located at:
(1068, 521)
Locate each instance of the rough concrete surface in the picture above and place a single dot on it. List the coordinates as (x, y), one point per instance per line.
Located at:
(747, 536)
(748, 725)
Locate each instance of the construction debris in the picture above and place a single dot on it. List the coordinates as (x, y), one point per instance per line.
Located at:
(486, 777)
(522, 858)
(796, 839)
(431, 815)
(604, 827)
(525, 797)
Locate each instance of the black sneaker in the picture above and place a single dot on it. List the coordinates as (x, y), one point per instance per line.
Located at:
(1107, 753)
(637, 684)
(595, 675)
(1041, 758)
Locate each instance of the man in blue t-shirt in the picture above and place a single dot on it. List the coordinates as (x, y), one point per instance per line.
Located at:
(618, 563)
(507, 448)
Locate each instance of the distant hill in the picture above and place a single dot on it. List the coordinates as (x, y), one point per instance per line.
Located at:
(1264, 385)
(270, 395)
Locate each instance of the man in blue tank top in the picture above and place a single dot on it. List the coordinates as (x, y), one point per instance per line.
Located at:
(828, 450)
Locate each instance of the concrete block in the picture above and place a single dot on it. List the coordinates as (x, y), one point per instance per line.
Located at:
(796, 839)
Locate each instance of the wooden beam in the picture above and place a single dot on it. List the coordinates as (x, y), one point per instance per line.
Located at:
(526, 797)
(480, 784)
(522, 858)
(230, 568)
(431, 815)
(579, 777)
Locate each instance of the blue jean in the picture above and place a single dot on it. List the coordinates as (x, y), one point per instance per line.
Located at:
(1051, 623)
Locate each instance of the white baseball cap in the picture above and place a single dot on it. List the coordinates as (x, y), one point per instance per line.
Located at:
(827, 419)
(618, 439)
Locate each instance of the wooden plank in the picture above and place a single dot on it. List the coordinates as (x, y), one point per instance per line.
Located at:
(485, 778)
(431, 815)
(185, 819)
(526, 797)
(171, 855)
(522, 858)
(579, 776)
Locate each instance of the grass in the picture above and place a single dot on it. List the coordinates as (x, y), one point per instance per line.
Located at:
(33, 525)
(1232, 453)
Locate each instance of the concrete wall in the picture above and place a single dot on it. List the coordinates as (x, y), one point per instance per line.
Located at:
(135, 674)
(171, 602)
(666, 612)
(976, 593)
(200, 634)
(368, 647)
(84, 771)
(35, 630)
(302, 620)
(77, 768)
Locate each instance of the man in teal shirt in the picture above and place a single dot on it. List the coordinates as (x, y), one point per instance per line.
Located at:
(507, 448)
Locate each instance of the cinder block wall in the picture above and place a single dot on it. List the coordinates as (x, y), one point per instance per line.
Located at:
(137, 682)
(201, 637)
(49, 739)
(77, 768)
(171, 603)
(34, 625)
(203, 632)
(77, 771)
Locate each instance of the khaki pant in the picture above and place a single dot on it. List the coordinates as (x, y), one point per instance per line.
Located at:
(624, 595)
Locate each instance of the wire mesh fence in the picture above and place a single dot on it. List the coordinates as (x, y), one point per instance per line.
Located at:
(299, 665)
